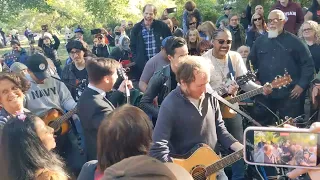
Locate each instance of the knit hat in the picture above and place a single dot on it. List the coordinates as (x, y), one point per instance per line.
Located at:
(145, 168)
(17, 67)
(75, 44)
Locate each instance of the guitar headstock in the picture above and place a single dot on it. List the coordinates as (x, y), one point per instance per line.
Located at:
(281, 81)
(250, 76)
(122, 72)
(287, 120)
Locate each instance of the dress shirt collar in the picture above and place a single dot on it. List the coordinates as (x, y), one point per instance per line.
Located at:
(100, 91)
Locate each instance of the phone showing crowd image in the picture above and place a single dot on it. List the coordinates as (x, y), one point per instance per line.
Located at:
(281, 147)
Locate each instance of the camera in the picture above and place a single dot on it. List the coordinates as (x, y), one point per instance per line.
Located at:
(171, 10)
(44, 27)
(95, 31)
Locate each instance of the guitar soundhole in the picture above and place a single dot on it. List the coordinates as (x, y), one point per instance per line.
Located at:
(199, 173)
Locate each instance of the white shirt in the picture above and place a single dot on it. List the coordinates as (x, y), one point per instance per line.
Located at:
(100, 91)
(219, 73)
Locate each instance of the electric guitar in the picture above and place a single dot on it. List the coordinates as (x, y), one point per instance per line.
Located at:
(58, 121)
(203, 163)
(279, 82)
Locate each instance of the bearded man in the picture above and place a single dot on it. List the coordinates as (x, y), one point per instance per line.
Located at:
(274, 54)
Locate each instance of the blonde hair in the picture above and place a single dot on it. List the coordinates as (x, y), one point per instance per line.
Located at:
(209, 26)
(197, 40)
(314, 26)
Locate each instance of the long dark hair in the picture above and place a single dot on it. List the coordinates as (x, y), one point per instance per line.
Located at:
(23, 153)
(254, 27)
(127, 132)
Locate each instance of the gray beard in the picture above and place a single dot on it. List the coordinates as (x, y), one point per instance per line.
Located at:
(273, 34)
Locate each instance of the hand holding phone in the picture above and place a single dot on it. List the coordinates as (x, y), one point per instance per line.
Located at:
(315, 128)
(282, 147)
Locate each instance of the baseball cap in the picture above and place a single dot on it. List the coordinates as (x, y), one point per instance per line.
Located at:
(38, 65)
(163, 43)
(79, 30)
(227, 7)
(145, 168)
(17, 67)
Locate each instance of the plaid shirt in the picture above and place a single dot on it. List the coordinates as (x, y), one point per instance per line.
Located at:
(149, 41)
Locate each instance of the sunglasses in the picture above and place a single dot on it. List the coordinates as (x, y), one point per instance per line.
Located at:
(222, 41)
(257, 19)
(192, 23)
(130, 24)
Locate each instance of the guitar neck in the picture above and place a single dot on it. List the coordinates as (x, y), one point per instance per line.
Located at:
(65, 117)
(224, 162)
(246, 95)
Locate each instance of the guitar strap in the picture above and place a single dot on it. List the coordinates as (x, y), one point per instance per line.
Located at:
(231, 70)
(222, 100)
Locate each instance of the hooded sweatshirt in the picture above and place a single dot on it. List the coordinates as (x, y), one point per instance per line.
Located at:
(40, 98)
(294, 15)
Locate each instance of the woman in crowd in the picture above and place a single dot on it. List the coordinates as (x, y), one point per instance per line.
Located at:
(26, 146)
(207, 28)
(100, 49)
(204, 46)
(12, 90)
(117, 32)
(224, 24)
(259, 28)
(126, 133)
(193, 38)
(309, 32)
(237, 32)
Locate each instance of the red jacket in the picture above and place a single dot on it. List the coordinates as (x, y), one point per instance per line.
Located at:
(294, 15)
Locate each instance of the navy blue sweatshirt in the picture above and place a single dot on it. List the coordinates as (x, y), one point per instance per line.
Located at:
(272, 56)
(181, 125)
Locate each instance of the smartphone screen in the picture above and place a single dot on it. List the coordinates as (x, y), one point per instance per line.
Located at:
(286, 149)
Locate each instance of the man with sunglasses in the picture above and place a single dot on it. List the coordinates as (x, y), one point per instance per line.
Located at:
(293, 14)
(227, 66)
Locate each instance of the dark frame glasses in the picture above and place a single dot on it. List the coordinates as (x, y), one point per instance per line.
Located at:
(222, 41)
(257, 19)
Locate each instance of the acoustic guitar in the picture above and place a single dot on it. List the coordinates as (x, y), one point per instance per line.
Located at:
(58, 121)
(278, 82)
(203, 163)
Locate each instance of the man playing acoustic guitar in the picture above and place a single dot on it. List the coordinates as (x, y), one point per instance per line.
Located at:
(226, 62)
(190, 115)
(47, 94)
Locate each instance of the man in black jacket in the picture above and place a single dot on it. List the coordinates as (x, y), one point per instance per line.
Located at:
(274, 54)
(146, 37)
(94, 106)
(164, 81)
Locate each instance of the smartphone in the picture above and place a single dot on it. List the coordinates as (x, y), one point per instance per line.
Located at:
(171, 10)
(281, 147)
(95, 31)
(44, 27)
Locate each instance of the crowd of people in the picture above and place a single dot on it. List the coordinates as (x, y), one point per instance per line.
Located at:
(285, 154)
(173, 78)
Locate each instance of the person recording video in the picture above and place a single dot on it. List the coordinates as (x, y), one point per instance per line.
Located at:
(100, 48)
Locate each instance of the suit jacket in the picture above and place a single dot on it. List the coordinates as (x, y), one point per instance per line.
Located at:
(93, 108)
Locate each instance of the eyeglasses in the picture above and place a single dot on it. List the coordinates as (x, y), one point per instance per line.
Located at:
(257, 19)
(130, 24)
(307, 29)
(222, 41)
(274, 20)
(75, 52)
(192, 23)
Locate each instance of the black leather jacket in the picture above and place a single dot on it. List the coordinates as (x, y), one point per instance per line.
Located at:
(159, 85)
